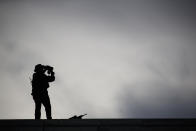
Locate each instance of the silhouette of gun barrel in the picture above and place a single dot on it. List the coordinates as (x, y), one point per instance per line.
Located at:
(77, 117)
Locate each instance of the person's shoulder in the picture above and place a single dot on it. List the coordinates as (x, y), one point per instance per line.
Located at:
(37, 75)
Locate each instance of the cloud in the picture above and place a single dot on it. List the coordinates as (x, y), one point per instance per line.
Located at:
(157, 100)
(111, 58)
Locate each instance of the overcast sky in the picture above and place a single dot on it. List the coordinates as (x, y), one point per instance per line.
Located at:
(112, 58)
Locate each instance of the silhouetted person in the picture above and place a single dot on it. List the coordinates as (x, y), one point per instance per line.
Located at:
(40, 83)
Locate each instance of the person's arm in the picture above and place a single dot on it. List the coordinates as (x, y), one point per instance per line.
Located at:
(51, 78)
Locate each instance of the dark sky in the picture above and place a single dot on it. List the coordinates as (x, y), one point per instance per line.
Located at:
(112, 58)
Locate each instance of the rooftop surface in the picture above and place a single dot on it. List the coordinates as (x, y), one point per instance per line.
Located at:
(99, 125)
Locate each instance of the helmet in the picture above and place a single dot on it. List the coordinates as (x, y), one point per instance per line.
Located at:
(38, 68)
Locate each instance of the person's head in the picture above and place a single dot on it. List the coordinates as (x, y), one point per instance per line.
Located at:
(39, 68)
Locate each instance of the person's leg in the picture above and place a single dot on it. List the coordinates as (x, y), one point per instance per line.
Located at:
(37, 107)
(47, 105)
